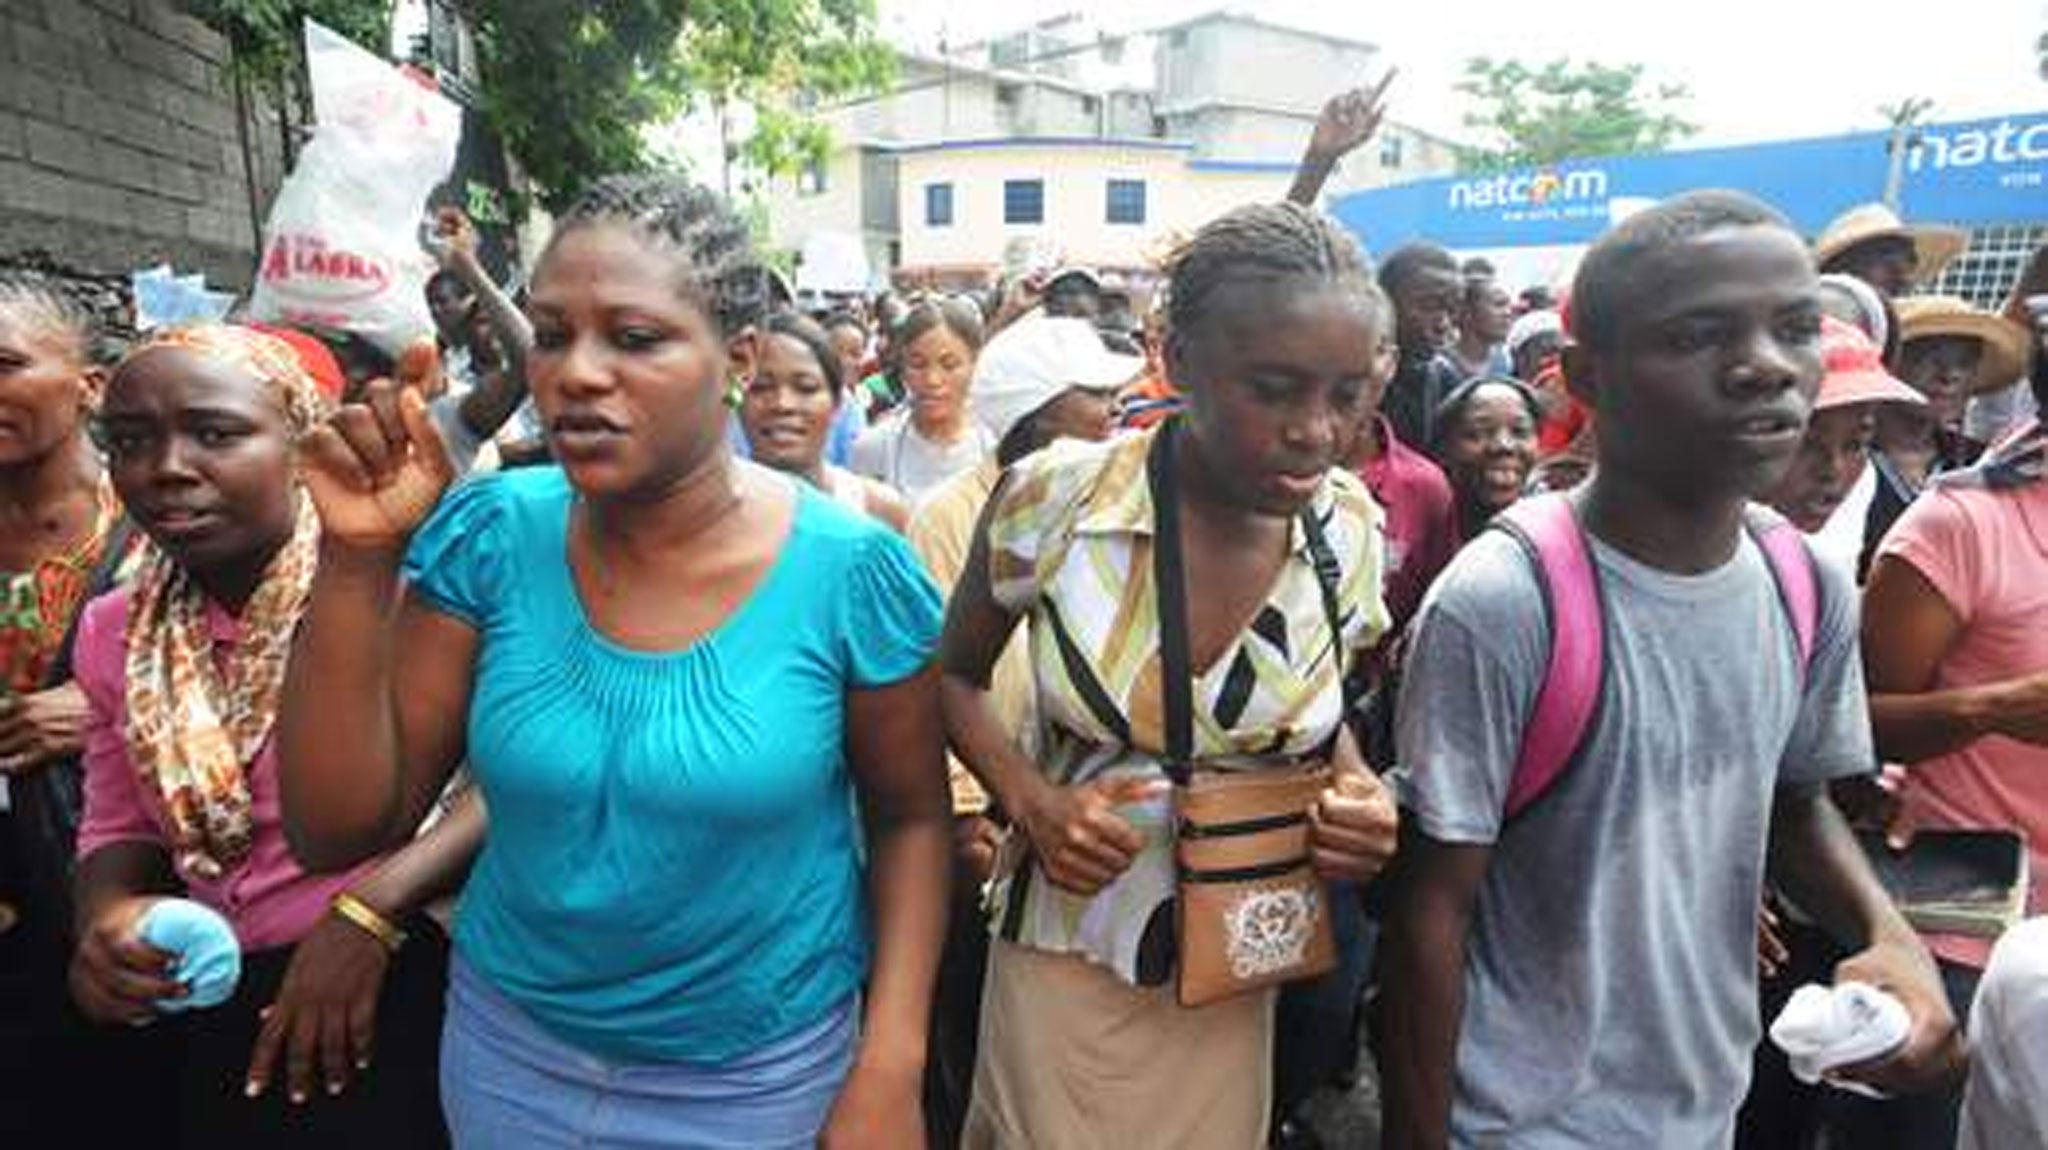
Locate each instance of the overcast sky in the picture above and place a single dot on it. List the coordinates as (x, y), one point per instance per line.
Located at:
(1758, 69)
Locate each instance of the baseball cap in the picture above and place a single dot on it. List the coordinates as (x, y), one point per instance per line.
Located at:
(1028, 364)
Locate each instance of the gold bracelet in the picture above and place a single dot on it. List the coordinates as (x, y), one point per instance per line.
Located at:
(366, 917)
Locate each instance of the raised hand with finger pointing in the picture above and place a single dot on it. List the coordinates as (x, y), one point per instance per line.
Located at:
(377, 468)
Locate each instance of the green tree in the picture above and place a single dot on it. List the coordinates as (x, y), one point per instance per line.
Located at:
(1561, 109)
(269, 47)
(572, 88)
(265, 34)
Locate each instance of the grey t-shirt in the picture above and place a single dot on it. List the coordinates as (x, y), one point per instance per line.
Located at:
(1610, 993)
(895, 453)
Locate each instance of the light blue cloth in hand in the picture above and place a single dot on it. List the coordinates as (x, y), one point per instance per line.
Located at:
(209, 956)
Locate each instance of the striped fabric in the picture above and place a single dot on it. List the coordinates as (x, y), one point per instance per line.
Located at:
(1070, 547)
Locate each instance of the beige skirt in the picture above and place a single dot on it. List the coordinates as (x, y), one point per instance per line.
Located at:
(1072, 1058)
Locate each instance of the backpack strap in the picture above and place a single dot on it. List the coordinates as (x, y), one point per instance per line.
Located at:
(1792, 569)
(1547, 527)
(1548, 530)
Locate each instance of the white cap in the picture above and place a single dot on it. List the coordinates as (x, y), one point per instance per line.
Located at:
(1075, 271)
(1529, 325)
(1028, 364)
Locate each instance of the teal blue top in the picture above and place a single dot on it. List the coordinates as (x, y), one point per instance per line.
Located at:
(672, 872)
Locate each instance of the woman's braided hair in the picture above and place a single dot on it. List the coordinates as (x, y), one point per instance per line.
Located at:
(1260, 244)
(725, 275)
(44, 303)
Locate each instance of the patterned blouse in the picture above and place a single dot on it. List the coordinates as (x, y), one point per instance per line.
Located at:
(37, 605)
(1070, 546)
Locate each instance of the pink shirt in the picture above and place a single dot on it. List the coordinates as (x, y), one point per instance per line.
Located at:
(1420, 525)
(271, 900)
(1986, 554)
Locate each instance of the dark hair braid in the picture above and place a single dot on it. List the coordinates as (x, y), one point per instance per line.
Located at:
(724, 274)
(45, 303)
(1259, 243)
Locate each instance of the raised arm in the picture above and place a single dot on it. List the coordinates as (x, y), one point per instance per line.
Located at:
(1347, 122)
(376, 697)
(501, 386)
(1432, 888)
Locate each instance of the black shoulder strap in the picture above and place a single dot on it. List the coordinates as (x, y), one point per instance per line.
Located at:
(1169, 585)
(1329, 579)
(1169, 579)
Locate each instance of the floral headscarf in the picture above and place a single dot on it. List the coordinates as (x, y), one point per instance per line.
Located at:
(195, 721)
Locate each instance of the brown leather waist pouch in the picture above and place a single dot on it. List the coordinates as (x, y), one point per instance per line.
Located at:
(1251, 912)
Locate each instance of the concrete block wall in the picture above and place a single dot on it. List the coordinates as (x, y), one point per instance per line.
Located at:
(119, 142)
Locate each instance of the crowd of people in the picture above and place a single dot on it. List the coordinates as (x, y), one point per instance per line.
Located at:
(662, 711)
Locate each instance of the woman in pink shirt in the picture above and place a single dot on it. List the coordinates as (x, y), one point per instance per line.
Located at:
(1956, 651)
(182, 672)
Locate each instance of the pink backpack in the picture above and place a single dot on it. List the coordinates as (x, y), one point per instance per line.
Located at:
(1548, 529)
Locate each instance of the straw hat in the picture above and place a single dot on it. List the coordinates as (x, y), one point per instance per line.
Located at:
(2004, 342)
(1934, 245)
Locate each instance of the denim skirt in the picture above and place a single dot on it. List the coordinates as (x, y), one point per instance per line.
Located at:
(507, 1084)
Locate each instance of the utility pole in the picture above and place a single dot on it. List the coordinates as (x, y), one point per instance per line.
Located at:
(1905, 136)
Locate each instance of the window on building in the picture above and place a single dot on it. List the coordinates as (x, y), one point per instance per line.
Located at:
(1023, 201)
(1390, 150)
(938, 205)
(1126, 202)
(811, 181)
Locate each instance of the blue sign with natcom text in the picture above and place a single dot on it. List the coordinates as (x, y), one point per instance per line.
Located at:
(1968, 173)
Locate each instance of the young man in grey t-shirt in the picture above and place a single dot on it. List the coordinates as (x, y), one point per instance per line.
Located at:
(1583, 974)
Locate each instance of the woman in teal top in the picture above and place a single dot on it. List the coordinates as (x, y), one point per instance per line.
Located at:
(673, 674)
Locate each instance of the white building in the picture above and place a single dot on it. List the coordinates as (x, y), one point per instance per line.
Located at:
(971, 152)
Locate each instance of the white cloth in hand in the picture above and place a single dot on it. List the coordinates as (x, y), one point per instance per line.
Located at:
(1824, 1028)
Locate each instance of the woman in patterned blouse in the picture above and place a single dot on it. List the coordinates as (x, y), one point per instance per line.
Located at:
(1271, 337)
(58, 516)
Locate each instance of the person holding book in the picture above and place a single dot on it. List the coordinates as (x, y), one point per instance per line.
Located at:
(1958, 664)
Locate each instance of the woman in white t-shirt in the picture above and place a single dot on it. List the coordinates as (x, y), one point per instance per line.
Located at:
(932, 438)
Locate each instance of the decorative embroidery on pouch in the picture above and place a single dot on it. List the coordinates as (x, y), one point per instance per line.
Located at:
(1268, 930)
